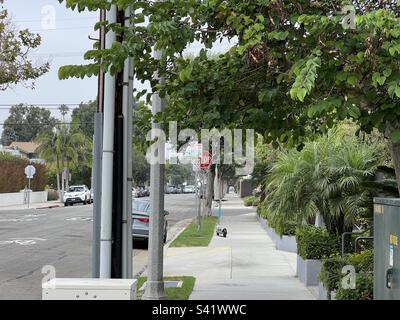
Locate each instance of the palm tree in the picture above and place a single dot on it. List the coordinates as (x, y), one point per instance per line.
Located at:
(327, 178)
(63, 147)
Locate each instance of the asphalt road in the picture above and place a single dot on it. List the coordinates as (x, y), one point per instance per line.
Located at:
(60, 237)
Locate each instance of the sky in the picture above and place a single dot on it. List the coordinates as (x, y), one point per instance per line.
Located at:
(64, 41)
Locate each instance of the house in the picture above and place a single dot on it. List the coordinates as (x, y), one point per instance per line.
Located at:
(23, 149)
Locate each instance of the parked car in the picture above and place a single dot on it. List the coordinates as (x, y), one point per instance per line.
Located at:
(141, 219)
(91, 195)
(189, 189)
(170, 189)
(77, 194)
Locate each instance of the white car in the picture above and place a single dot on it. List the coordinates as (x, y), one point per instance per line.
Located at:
(189, 189)
(77, 194)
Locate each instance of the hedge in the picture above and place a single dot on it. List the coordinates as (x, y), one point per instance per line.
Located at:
(251, 201)
(282, 225)
(316, 243)
(331, 275)
(12, 174)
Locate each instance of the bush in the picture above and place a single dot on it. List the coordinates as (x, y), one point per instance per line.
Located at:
(52, 195)
(316, 243)
(13, 179)
(331, 273)
(281, 225)
(251, 201)
(364, 288)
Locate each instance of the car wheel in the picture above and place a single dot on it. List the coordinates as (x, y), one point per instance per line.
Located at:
(66, 204)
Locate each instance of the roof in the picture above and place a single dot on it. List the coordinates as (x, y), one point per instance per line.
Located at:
(25, 147)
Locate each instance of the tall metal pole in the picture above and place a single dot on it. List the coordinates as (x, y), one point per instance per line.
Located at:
(155, 281)
(97, 159)
(127, 269)
(108, 161)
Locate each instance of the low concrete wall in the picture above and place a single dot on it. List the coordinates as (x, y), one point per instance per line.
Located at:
(308, 271)
(284, 243)
(287, 243)
(17, 198)
(323, 293)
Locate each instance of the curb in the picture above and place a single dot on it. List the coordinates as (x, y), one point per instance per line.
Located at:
(50, 207)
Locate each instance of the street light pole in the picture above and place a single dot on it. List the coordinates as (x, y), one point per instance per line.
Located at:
(155, 280)
(97, 160)
(108, 161)
(127, 106)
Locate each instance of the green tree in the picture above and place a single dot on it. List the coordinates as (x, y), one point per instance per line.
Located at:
(84, 116)
(25, 123)
(177, 174)
(328, 177)
(293, 68)
(65, 147)
(140, 167)
(15, 47)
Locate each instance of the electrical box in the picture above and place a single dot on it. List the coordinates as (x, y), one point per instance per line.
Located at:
(386, 249)
(89, 289)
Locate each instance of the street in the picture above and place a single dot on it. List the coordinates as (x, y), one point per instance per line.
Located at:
(61, 237)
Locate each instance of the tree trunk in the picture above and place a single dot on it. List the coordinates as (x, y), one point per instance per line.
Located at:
(58, 181)
(62, 179)
(263, 194)
(210, 190)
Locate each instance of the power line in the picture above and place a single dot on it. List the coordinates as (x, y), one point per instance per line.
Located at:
(48, 106)
(44, 124)
(62, 29)
(57, 19)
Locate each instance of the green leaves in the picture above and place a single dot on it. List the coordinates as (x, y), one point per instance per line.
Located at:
(78, 71)
(186, 73)
(278, 35)
(395, 136)
(306, 74)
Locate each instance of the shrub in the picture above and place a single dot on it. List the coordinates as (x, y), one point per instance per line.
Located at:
(316, 243)
(364, 288)
(331, 272)
(251, 201)
(52, 195)
(281, 225)
(13, 179)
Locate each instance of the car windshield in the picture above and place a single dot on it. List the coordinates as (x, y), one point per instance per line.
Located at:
(75, 189)
(141, 206)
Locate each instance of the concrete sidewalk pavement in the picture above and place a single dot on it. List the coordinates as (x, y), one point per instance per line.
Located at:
(243, 266)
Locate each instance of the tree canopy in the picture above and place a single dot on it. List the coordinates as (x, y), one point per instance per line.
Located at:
(293, 67)
(16, 66)
(25, 123)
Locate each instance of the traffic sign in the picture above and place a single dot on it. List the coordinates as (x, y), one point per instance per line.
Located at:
(30, 171)
(205, 160)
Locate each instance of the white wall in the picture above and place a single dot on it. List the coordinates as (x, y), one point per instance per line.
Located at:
(17, 198)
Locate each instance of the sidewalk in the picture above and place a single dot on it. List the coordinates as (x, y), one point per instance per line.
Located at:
(243, 266)
(42, 205)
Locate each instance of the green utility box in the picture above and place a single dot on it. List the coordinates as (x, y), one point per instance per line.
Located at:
(386, 249)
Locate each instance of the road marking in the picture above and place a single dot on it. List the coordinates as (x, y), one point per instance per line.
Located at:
(80, 219)
(24, 218)
(22, 241)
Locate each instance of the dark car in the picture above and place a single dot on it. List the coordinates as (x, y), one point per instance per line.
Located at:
(141, 219)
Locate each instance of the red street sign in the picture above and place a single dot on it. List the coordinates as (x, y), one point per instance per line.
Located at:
(205, 160)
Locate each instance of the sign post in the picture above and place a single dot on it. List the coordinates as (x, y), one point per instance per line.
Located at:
(29, 172)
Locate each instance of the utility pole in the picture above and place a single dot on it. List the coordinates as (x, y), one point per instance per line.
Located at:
(127, 105)
(155, 280)
(108, 160)
(97, 165)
